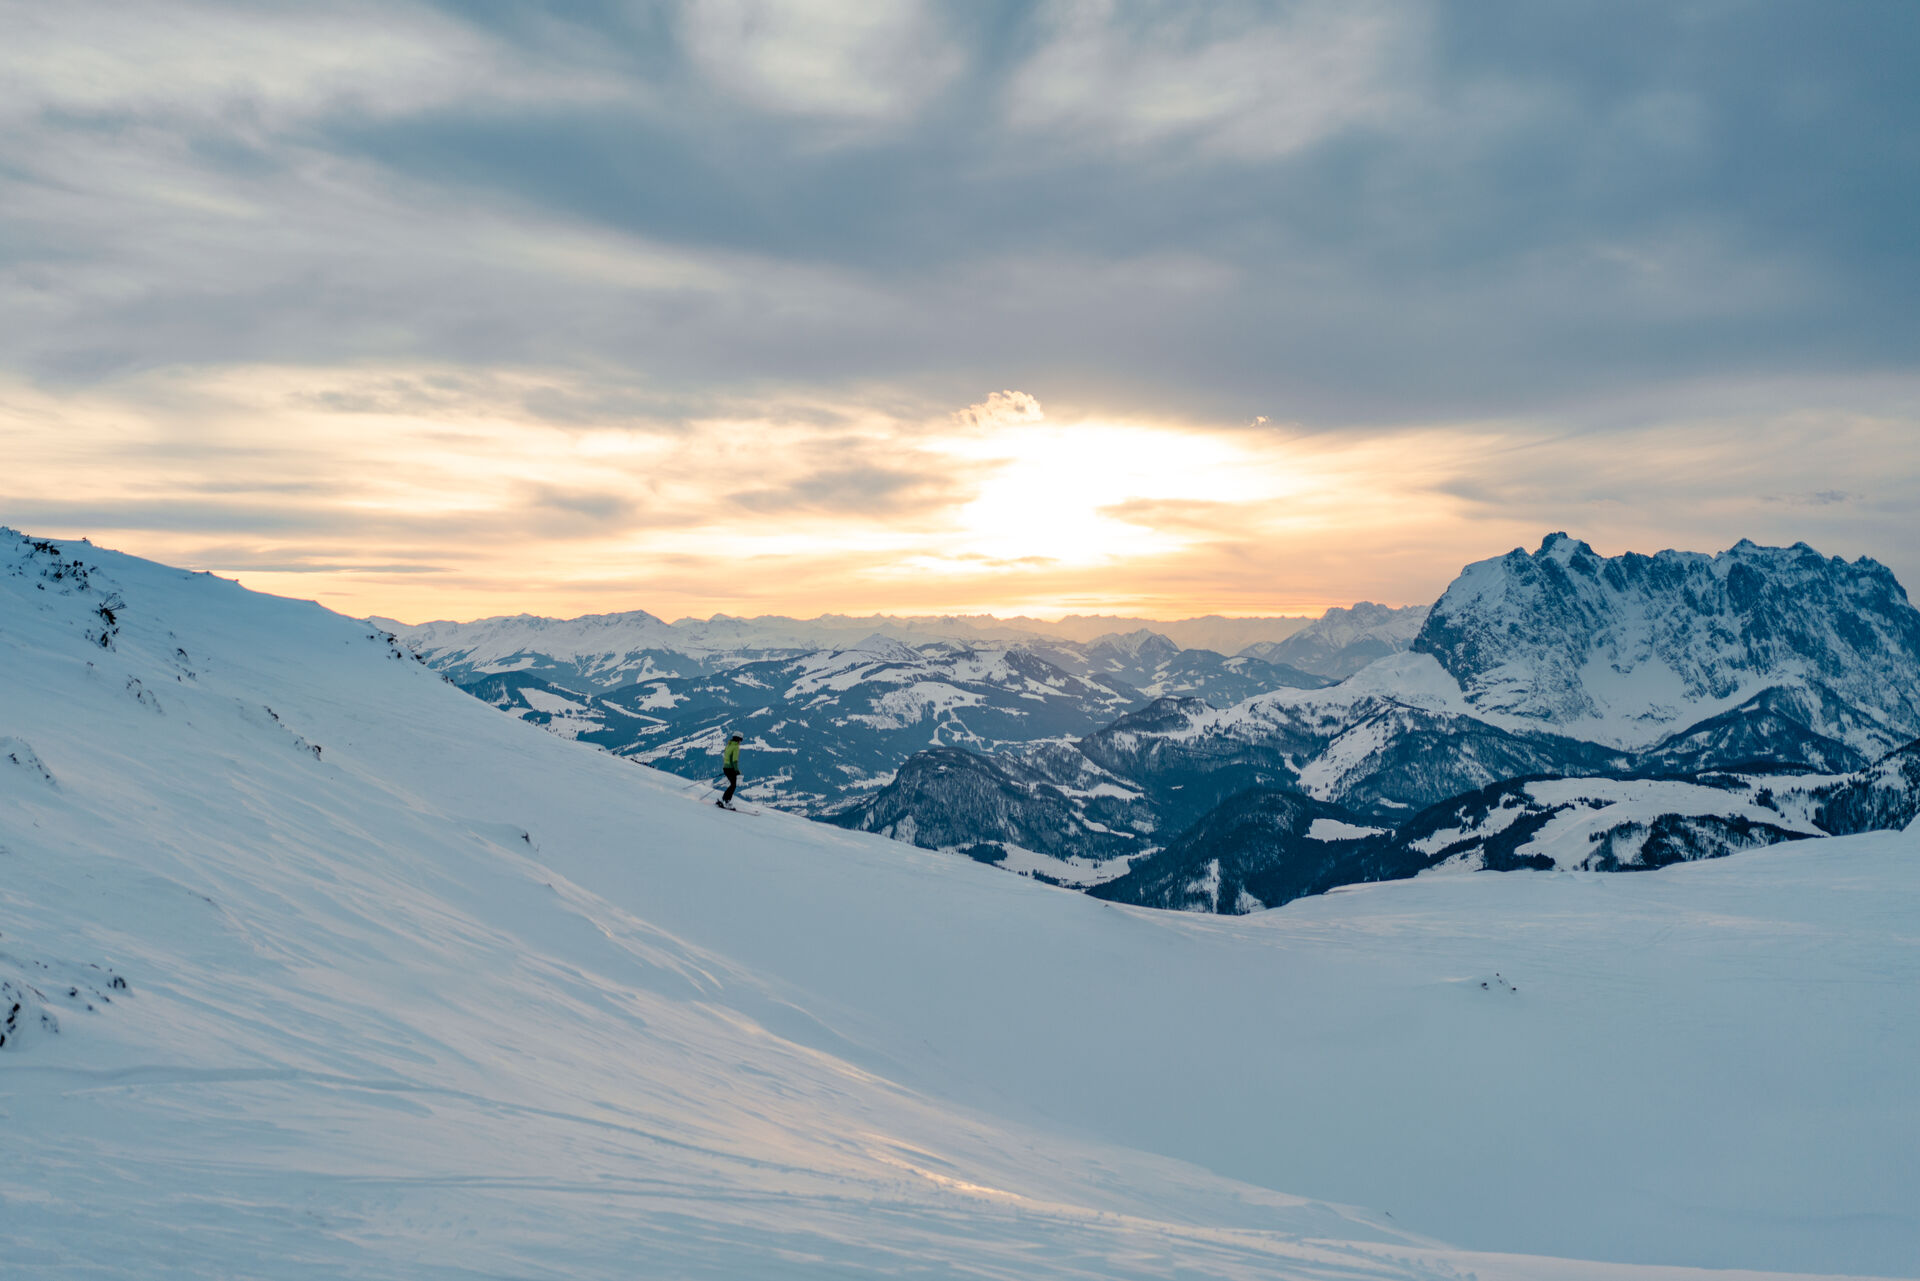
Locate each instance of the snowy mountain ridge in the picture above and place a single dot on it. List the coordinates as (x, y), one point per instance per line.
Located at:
(503, 638)
(1791, 664)
(1627, 649)
(607, 649)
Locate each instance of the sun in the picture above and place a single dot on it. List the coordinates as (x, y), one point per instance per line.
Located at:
(1074, 494)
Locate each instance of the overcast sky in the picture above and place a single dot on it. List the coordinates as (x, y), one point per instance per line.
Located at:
(444, 310)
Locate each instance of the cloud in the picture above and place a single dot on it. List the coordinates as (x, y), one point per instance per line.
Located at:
(1350, 213)
(1001, 409)
(837, 59)
(428, 513)
(581, 509)
(1817, 498)
(1701, 482)
(1185, 515)
(597, 282)
(861, 492)
(1233, 82)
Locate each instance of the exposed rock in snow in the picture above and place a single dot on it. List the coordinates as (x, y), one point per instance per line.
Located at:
(19, 754)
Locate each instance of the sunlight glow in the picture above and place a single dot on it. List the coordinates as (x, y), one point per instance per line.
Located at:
(431, 493)
(1053, 489)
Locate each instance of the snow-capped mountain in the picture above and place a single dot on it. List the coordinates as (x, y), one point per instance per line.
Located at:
(1379, 744)
(595, 652)
(1142, 647)
(1343, 640)
(1626, 650)
(317, 967)
(1406, 733)
(605, 651)
(1380, 747)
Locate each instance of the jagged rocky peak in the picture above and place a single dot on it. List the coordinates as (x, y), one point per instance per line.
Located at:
(1625, 648)
(1141, 646)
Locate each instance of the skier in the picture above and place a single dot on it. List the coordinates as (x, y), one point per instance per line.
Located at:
(730, 766)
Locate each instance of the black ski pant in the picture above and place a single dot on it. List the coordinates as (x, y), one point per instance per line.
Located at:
(733, 781)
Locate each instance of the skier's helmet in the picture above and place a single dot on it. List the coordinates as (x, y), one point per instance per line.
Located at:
(734, 739)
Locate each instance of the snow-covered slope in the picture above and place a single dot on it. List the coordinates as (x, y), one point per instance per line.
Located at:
(1627, 649)
(326, 969)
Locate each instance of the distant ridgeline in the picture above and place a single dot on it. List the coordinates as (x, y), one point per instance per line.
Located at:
(830, 716)
(1557, 709)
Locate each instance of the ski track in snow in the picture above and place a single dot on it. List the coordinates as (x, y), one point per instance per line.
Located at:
(451, 997)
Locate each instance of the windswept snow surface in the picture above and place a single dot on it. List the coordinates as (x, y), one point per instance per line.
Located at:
(326, 969)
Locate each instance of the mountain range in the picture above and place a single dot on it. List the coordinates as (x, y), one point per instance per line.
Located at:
(1342, 641)
(599, 642)
(1776, 663)
(827, 725)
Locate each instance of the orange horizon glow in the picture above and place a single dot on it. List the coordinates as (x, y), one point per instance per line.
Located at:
(430, 495)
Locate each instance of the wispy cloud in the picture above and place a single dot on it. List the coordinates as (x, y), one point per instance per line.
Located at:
(1235, 83)
(853, 492)
(831, 59)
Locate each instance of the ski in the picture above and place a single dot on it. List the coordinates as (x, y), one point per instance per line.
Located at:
(736, 807)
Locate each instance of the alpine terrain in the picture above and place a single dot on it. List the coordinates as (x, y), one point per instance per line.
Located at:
(1342, 641)
(1769, 673)
(315, 966)
(832, 713)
